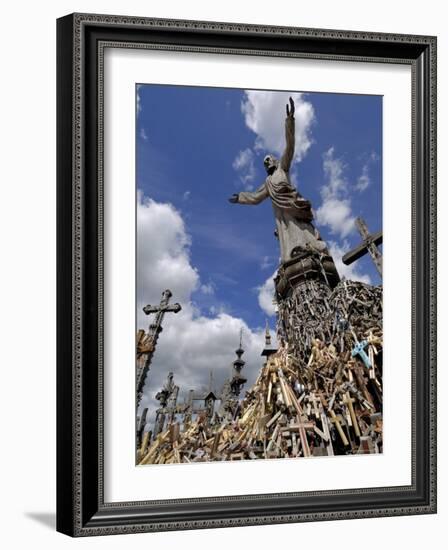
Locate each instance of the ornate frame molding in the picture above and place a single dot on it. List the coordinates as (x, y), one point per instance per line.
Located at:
(81, 42)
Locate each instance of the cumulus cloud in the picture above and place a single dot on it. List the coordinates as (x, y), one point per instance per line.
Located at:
(163, 252)
(337, 215)
(191, 343)
(266, 294)
(351, 271)
(335, 212)
(264, 113)
(245, 167)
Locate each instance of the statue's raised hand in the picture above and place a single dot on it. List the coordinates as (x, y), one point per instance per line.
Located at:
(234, 198)
(290, 109)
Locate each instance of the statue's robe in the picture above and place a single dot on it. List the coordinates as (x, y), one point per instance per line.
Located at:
(292, 212)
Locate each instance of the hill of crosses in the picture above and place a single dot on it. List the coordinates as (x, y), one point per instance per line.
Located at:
(320, 392)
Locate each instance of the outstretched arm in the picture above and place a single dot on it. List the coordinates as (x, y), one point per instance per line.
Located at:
(250, 197)
(290, 135)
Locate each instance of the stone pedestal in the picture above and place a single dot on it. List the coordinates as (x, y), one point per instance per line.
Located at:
(305, 268)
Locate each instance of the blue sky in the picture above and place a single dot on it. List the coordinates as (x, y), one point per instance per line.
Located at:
(188, 143)
(195, 148)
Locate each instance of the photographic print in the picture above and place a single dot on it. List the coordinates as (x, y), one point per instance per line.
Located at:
(259, 274)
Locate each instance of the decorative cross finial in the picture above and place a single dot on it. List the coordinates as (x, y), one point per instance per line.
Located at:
(237, 380)
(267, 335)
(155, 328)
(268, 349)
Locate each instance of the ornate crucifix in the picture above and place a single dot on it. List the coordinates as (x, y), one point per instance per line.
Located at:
(155, 329)
(369, 245)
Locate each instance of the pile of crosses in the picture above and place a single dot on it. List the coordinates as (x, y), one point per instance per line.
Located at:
(320, 394)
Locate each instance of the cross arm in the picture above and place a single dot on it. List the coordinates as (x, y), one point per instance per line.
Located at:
(173, 308)
(360, 250)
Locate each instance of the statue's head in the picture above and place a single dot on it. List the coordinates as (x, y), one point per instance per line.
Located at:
(270, 163)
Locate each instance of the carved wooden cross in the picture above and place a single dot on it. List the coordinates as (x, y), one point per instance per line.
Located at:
(155, 329)
(369, 245)
(338, 420)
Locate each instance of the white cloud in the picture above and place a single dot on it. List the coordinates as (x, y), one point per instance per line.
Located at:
(266, 294)
(364, 179)
(208, 289)
(350, 272)
(245, 167)
(143, 134)
(191, 344)
(139, 105)
(335, 211)
(266, 262)
(163, 253)
(265, 112)
(334, 173)
(186, 195)
(337, 215)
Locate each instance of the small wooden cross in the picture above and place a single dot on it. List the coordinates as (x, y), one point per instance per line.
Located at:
(369, 245)
(300, 426)
(337, 419)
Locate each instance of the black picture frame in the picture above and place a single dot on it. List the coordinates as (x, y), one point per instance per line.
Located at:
(81, 510)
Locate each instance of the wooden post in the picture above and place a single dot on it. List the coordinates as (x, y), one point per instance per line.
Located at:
(349, 402)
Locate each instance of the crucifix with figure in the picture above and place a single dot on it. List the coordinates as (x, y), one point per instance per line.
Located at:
(150, 341)
(369, 245)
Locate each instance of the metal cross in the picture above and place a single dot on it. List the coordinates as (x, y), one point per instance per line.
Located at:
(369, 245)
(155, 329)
(167, 397)
(358, 349)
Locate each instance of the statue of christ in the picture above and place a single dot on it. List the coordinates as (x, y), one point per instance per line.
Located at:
(292, 212)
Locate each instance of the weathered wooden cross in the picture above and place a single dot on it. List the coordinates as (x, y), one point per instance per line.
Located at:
(155, 329)
(300, 426)
(369, 245)
(208, 399)
(339, 421)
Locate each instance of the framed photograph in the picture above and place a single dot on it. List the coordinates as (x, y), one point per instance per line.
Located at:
(246, 274)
